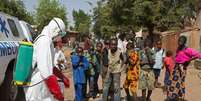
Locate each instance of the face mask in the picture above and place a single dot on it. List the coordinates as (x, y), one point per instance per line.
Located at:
(62, 34)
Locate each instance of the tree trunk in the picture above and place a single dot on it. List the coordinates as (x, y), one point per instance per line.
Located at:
(150, 37)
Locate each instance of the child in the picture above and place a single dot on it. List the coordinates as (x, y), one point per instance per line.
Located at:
(97, 68)
(169, 65)
(90, 73)
(80, 65)
(59, 58)
(133, 71)
(146, 77)
(159, 58)
(59, 62)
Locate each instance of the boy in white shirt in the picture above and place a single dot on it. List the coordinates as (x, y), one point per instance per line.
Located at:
(159, 57)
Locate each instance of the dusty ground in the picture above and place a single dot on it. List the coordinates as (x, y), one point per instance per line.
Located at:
(193, 86)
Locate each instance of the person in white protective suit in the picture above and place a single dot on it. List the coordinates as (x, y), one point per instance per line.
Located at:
(44, 84)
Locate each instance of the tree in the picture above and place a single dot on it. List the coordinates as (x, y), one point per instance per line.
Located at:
(82, 21)
(47, 10)
(160, 15)
(113, 16)
(17, 9)
(104, 25)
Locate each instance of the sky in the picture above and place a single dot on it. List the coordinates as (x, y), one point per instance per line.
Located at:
(31, 5)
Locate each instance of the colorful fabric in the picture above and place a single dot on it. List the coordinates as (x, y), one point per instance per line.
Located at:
(147, 58)
(132, 77)
(176, 83)
(169, 63)
(114, 62)
(92, 63)
(147, 79)
(186, 55)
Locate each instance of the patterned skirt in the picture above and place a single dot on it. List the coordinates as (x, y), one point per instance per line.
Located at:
(147, 79)
(176, 83)
(132, 79)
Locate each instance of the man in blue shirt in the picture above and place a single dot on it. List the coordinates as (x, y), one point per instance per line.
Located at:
(80, 65)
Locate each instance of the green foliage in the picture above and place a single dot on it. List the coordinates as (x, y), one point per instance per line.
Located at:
(104, 26)
(17, 9)
(47, 10)
(82, 21)
(152, 15)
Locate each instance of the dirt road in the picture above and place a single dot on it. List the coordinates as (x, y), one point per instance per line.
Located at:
(193, 87)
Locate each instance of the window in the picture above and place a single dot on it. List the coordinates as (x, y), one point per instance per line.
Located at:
(13, 27)
(31, 30)
(33, 33)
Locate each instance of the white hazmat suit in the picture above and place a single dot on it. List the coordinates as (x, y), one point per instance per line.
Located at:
(43, 56)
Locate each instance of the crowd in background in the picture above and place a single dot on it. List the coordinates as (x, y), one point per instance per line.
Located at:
(139, 59)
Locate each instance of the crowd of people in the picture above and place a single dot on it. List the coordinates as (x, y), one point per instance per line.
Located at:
(142, 65)
(141, 61)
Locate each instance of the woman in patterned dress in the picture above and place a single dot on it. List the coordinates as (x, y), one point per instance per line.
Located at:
(131, 82)
(176, 83)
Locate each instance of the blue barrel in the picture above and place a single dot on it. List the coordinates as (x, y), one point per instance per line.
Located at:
(23, 67)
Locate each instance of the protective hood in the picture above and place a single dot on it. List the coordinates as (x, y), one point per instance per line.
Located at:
(55, 27)
(43, 56)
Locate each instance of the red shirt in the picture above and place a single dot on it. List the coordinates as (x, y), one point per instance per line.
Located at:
(169, 63)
